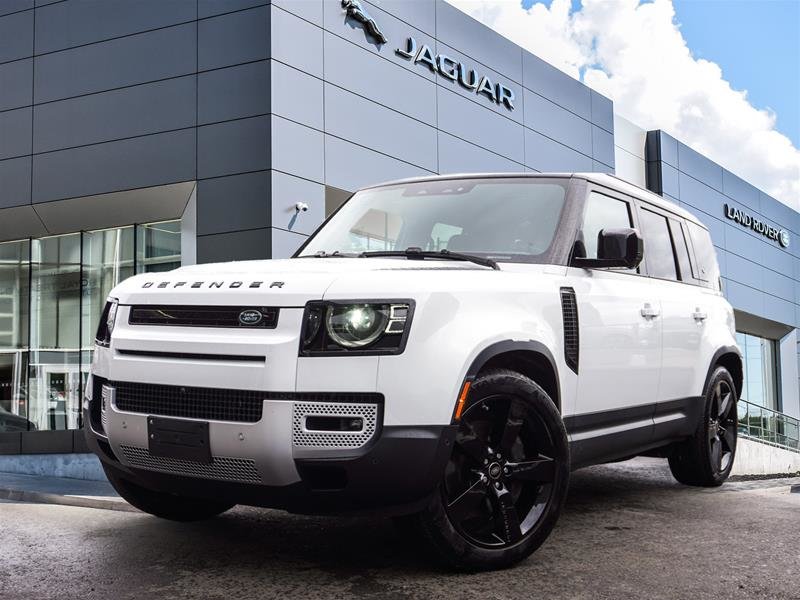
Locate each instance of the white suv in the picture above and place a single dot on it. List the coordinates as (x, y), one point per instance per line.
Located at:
(446, 348)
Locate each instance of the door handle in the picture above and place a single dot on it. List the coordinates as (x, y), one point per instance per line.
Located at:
(698, 315)
(648, 312)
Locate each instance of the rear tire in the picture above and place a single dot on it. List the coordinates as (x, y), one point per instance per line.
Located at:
(163, 505)
(506, 481)
(706, 459)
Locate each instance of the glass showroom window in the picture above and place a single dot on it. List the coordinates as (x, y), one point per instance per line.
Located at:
(52, 291)
(14, 304)
(760, 370)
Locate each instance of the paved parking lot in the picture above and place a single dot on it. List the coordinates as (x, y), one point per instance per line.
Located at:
(628, 531)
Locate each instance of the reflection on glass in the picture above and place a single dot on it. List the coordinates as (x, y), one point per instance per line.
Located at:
(759, 356)
(54, 370)
(52, 292)
(158, 247)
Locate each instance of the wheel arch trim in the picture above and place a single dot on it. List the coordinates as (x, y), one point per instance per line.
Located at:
(717, 360)
(509, 346)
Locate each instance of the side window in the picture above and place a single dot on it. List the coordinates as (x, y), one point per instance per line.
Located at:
(602, 212)
(658, 250)
(704, 254)
(681, 250)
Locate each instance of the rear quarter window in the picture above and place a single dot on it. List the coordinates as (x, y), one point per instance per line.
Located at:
(705, 267)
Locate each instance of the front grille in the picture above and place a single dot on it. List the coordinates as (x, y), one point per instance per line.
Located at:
(244, 317)
(242, 470)
(243, 406)
(569, 310)
(302, 437)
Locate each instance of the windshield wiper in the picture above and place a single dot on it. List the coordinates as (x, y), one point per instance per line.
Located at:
(324, 254)
(415, 253)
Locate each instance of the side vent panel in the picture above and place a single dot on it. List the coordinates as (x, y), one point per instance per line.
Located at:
(569, 313)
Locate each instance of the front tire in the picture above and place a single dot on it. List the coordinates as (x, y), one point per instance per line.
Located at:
(507, 478)
(706, 459)
(163, 505)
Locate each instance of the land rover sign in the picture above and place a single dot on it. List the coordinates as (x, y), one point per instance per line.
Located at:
(746, 220)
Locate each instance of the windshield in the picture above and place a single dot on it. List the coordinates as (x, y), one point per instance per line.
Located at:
(513, 219)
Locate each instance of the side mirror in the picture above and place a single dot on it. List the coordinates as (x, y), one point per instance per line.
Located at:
(615, 248)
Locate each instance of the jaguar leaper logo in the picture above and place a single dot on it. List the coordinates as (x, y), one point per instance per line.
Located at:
(357, 12)
(250, 317)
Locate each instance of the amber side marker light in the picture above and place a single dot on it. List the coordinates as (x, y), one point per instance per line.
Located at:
(462, 399)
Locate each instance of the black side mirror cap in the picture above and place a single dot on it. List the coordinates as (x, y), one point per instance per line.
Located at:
(615, 248)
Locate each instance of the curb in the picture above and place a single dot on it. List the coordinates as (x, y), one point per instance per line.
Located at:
(80, 501)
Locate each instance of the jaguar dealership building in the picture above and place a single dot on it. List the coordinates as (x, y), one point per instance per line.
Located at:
(140, 136)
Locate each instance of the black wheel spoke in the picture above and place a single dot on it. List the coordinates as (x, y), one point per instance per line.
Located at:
(541, 470)
(725, 405)
(468, 502)
(729, 436)
(508, 517)
(510, 434)
(473, 447)
(716, 453)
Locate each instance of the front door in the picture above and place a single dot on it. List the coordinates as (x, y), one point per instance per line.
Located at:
(619, 315)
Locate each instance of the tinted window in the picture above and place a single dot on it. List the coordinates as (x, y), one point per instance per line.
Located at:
(602, 212)
(681, 250)
(658, 246)
(704, 253)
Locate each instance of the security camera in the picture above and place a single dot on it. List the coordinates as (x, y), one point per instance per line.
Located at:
(301, 207)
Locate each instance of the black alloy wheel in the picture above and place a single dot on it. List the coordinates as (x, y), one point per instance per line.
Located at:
(706, 458)
(501, 475)
(507, 478)
(722, 427)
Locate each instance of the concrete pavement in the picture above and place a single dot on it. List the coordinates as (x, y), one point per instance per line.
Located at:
(628, 531)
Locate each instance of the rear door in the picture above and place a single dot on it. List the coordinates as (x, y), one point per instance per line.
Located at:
(619, 344)
(683, 314)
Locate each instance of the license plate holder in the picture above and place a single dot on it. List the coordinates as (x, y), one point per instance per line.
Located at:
(178, 439)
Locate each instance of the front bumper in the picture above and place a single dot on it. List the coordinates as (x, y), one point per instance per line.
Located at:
(261, 463)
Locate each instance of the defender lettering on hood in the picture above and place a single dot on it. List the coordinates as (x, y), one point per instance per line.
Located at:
(211, 284)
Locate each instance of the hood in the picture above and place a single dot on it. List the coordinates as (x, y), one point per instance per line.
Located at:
(285, 282)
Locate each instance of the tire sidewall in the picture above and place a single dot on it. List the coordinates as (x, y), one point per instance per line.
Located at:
(719, 374)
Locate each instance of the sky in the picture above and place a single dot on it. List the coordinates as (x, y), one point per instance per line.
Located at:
(722, 76)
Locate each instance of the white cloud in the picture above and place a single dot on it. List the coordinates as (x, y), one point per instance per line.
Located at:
(635, 54)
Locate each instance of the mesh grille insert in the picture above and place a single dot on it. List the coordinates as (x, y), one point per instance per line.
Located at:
(244, 406)
(302, 437)
(569, 309)
(223, 468)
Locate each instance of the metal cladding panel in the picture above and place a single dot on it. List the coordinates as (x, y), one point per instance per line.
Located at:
(310, 10)
(544, 154)
(472, 122)
(602, 145)
(233, 38)
(699, 167)
(298, 150)
(602, 111)
(233, 147)
(287, 190)
(233, 92)
(354, 118)
(128, 112)
(558, 123)
(12, 6)
(458, 156)
(239, 245)
(297, 96)
(296, 42)
(15, 182)
(16, 36)
(77, 22)
(555, 85)
(15, 133)
(233, 203)
(209, 8)
(285, 243)
(16, 84)
(478, 41)
(131, 60)
(120, 165)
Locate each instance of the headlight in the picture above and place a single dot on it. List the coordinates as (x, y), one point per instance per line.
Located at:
(355, 327)
(107, 321)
